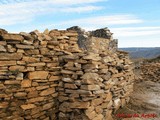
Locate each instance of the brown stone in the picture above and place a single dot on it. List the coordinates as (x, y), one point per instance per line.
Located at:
(47, 92)
(90, 87)
(28, 106)
(108, 115)
(2, 86)
(4, 104)
(30, 59)
(32, 94)
(12, 82)
(26, 83)
(99, 117)
(47, 106)
(20, 94)
(70, 86)
(91, 114)
(13, 56)
(24, 46)
(37, 99)
(65, 107)
(70, 34)
(81, 92)
(42, 87)
(18, 68)
(37, 64)
(54, 78)
(12, 37)
(38, 75)
(32, 52)
(97, 101)
(80, 105)
(67, 72)
(7, 63)
(2, 49)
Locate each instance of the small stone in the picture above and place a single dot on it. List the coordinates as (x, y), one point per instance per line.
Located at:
(3, 105)
(26, 83)
(12, 82)
(70, 86)
(28, 106)
(80, 105)
(2, 49)
(54, 78)
(18, 68)
(47, 92)
(47, 106)
(37, 99)
(38, 75)
(90, 87)
(20, 94)
(24, 46)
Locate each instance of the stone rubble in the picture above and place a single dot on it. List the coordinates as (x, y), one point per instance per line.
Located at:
(47, 76)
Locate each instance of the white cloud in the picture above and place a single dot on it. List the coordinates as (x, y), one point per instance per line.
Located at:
(100, 21)
(135, 31)
(11, 11)
(137, 36)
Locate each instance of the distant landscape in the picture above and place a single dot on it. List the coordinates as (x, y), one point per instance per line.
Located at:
(140, 52)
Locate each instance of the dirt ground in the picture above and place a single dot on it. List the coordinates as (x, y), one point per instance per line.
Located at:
(144, 103)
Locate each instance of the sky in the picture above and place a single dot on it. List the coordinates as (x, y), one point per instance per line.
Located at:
(135, 23)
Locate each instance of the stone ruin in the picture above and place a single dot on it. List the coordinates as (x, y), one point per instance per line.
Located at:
(62, 75)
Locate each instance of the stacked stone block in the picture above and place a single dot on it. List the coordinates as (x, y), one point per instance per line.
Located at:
(46, 76)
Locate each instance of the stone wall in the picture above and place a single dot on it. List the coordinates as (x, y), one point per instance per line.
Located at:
(46, 76)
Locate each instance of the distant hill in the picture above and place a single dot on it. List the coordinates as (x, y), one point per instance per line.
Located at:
(138, 52)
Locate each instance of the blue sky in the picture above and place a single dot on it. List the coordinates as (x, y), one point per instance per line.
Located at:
(135, 23)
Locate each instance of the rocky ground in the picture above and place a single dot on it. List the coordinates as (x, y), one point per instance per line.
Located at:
(145, 99)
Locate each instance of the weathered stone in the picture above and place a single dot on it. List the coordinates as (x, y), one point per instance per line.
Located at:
(32, 94)
(69, 80)
(32, 52)
(28, 106)
(38, 75)
(42, 87)
(94, 57)
(117, 103)
(65, 107)
(4, 105)
(24, 46)
(71, 34)
(98, 117)
(7, 63)
(67, 72)
(70, 86)
(12, 82)
(30, 59)
(18, 68)
(12, 37)
(26, 36)
(90, 87)
(20, 94)
(37, 64)
(81, 92)
(13, 56)
(26, 83)
(54, 78)
(97, 101)
(2, 49)
(37, 99)
(47, 92)
(80, 105)
(47, 106)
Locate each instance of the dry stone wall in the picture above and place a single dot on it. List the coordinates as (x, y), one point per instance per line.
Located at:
(47, 76)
